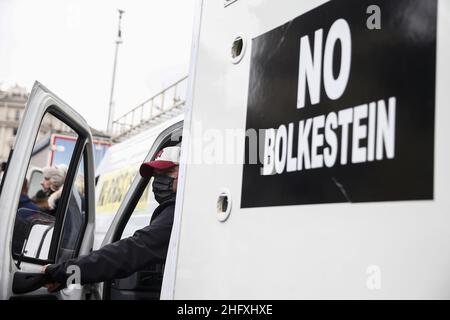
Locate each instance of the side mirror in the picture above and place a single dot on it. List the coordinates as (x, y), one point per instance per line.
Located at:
(33, 232)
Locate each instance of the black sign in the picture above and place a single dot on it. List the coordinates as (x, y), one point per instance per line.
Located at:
(343, 98)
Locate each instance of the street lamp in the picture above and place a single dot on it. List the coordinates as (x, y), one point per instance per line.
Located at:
(111, 102)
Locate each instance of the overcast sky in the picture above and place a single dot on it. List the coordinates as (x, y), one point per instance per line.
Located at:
(68, 45)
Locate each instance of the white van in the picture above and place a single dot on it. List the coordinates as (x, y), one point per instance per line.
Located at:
(344, 104)
(335, 183)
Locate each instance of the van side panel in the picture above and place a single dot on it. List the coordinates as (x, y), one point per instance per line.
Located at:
(365, 250)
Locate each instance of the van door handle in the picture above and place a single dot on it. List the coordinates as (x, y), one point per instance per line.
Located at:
(24, 282)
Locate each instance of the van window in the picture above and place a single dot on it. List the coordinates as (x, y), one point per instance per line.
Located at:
(43, 209)
(111, 190)
(142, 213)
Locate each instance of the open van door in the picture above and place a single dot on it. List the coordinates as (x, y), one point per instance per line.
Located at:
(34, 235)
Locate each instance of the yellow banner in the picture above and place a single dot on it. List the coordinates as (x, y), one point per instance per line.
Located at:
(115, 186)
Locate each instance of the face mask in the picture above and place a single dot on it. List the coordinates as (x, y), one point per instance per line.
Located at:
(163, 188)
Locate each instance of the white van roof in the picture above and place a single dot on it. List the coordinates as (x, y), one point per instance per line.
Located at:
(133, 150)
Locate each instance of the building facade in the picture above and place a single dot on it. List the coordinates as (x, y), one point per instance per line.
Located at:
(12, 107)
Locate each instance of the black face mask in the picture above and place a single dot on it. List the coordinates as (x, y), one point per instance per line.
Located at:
(163, 188)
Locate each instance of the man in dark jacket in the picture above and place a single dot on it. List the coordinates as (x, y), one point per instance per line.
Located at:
(147, 246)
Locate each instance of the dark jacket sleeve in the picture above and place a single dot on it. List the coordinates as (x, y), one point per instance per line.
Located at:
(122, 258)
